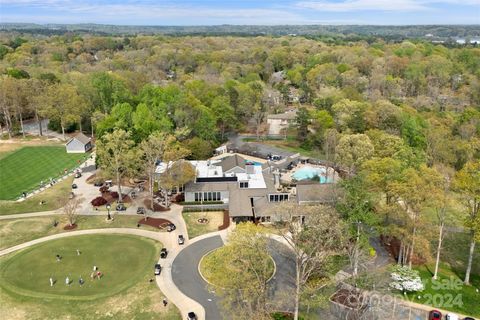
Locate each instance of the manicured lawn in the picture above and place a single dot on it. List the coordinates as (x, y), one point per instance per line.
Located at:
(124, 292)
(17, 231)
(122, 259)
(215, 220)
(53, 197)
(448, 292)
(24, 169)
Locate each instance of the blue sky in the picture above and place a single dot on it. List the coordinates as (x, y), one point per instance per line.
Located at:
(262, 12)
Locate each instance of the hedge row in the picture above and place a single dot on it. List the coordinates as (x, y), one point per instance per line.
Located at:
(193, 203)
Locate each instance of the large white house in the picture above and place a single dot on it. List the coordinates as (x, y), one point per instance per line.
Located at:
(247, 189)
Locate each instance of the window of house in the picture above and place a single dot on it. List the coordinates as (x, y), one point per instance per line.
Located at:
(278, 197)
(208, 196)
(244, 185)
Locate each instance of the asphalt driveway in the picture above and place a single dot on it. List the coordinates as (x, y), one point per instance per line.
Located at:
(187, 278)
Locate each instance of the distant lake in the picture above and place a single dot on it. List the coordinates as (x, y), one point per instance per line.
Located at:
(472, 40)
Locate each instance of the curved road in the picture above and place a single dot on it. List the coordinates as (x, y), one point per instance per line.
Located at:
(187, 279)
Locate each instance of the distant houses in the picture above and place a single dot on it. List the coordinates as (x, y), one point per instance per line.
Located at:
(79, 144)
(278, 123)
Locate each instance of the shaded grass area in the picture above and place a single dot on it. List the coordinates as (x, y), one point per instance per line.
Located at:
(294, 146)
(195, 229)
(123, 293)
(17, 231)
(24, 169)
(54, 197)
(448, 292)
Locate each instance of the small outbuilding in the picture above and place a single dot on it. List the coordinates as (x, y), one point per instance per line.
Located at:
(79, 144)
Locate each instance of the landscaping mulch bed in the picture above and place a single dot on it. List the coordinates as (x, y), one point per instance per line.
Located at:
(155, 222)
(110, 199)
(349, 298)
(156, 206)
(226, 220)
(92, 179)
(179, 197)
(70, 227)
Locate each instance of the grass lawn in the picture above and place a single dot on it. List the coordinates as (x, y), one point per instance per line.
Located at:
(25, 168)
(290, 144)
(454, 296)
(54, 198)
(215, 220)
(17, 231)
(124, 291)
(214, 259)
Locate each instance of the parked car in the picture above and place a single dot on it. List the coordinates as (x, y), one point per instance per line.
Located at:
(141, 210)
(181, 239)
(163, 253)
(74, 186)
(71, 195)
(120, 207)
(158, 269)
(78, 174)
(435, 315)
(109, 183)
(98, 183)
(191, 316)
(451, 316)
(171, 227)
(276, 157)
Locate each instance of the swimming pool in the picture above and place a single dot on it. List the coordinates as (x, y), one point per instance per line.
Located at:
(312, 173)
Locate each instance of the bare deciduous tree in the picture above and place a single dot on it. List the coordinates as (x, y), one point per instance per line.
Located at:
(314, 233)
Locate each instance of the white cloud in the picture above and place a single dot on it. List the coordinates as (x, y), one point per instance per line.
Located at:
(145, 12)
(379, 5)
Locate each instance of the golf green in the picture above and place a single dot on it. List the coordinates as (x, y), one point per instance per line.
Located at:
(122, 259)
(24, 169)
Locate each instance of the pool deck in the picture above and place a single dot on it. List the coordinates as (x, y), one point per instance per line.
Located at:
(288, 176)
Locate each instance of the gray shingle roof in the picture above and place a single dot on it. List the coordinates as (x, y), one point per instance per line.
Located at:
(314, 192)
(80, 137)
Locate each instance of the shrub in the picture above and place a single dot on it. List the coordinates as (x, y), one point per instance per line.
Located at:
(98, 201)
(199, 209)
(114, 194)
(192, 203)
(104, 189)
(405, 279)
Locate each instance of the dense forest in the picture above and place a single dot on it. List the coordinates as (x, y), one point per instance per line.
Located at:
(403, 118)
(391, 32)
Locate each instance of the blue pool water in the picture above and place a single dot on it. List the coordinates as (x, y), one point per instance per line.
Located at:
(310, 173)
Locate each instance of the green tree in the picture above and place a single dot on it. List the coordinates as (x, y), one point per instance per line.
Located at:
(109, 91)
(242, 269)
(302, 121)
(224, 114)
(116, 156)
(61, 102)
(413, 190)
(354, 149)
(467, 183)
(320, 237)
(356, 207)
